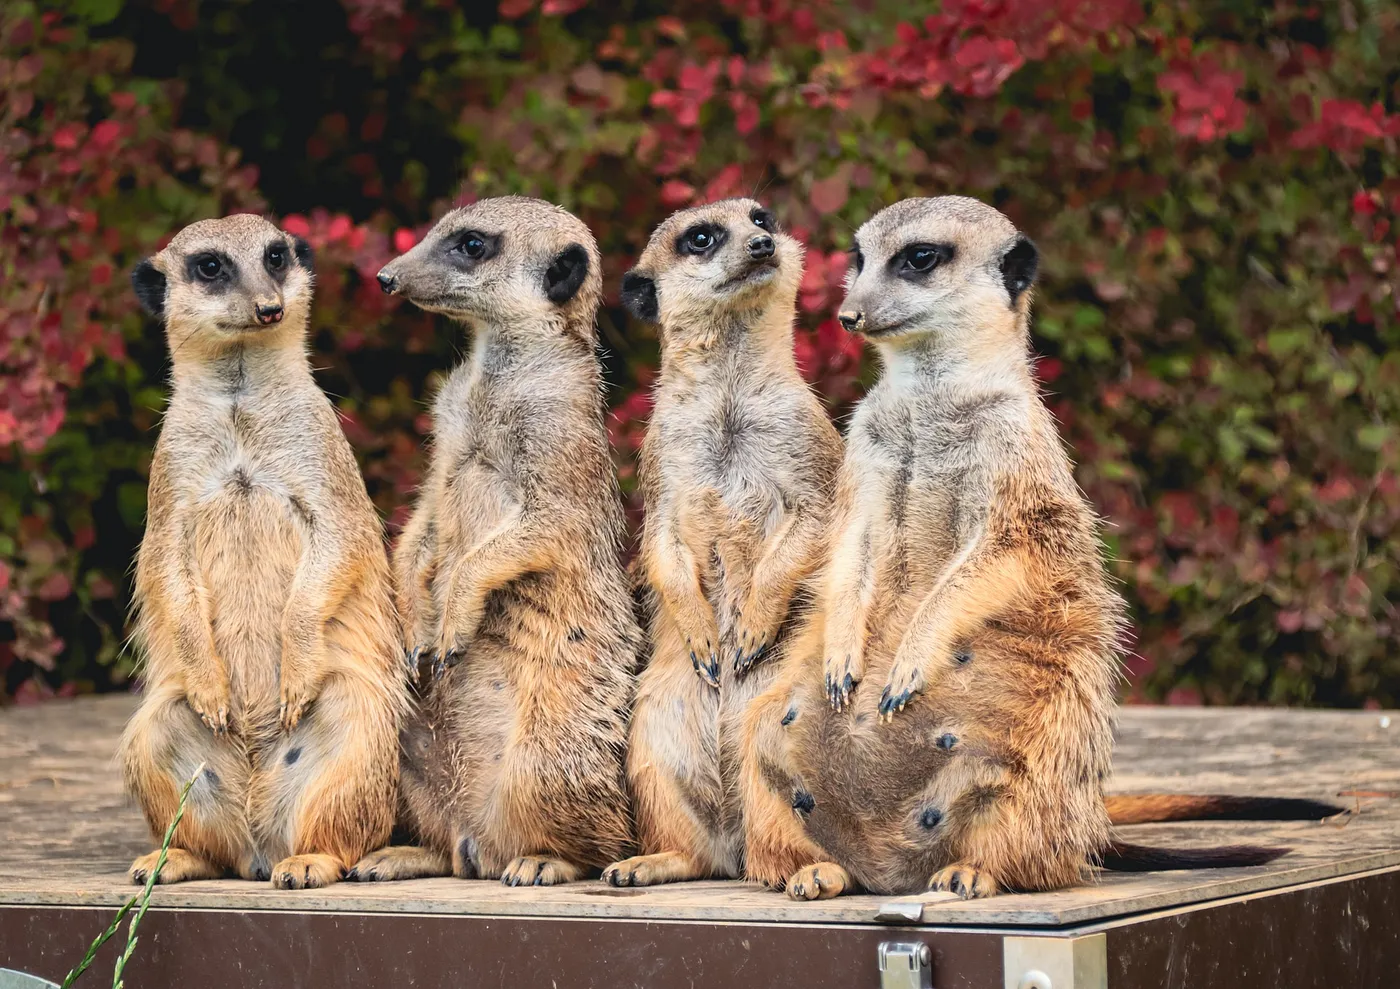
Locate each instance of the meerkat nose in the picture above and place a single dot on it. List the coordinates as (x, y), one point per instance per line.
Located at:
(761, 247)
(851, 320)
(388, 283)
(268, 315)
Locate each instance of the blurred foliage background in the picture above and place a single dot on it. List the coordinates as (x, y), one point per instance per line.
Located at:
(1214, 186)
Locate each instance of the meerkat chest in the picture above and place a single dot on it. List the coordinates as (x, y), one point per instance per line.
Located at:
(744, 442)
(921, 479)
(223, 451)
(482, 431)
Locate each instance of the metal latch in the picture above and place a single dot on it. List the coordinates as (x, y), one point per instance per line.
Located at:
(905, 966)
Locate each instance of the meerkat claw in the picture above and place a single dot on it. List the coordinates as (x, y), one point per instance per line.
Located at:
(708, 670)
(743, 663)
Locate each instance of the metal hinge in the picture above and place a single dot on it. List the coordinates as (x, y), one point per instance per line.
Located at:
(905, 966)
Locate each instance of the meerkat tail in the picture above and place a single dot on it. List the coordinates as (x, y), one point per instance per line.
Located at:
(1155, 808)
(1122, 856)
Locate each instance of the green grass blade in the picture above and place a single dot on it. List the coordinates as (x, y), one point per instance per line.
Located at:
(143, 898)
(151, 883)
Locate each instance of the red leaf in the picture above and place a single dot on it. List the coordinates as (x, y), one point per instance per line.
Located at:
(105, 134)
(65, 138)
(829, 194)
(676, 193)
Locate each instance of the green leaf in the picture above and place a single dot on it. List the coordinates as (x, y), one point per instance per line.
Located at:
(95, 11)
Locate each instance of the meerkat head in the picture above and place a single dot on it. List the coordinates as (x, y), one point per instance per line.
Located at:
(234, 279)
(503, 261)
(949, 269)
(724, 262)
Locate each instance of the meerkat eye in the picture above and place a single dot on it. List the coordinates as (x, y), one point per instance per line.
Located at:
(208, 267)
(923, 258)
(858, 259)
(473, 245)
(763, 219)
(698, 240)
(276, 258)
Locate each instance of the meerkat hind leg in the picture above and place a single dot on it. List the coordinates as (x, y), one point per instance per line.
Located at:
(395, 862)
(967, 880)
(652, 870)
(820, 881)
(311, 871)
(180, 866)
(539, 870)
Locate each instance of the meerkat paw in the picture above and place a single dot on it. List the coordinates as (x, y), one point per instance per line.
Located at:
(757, 631)
(968, 881)
(211, 701)
(306, 872)
(295, 696)
(397, 862)
(844, 668)
(650, 870)
(180, 866)
(536, 870)
(906, 679)
(704, 655)
(818, 882)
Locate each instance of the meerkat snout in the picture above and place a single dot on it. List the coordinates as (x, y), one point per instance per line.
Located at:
(851, 320)
(761, 247)
(387, 282)
(268, 312)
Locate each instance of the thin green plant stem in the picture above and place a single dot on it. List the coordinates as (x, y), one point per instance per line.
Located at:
(143, 898)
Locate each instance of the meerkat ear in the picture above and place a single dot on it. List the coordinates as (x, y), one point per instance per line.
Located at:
(639, 296)
(306, 257)
(149, 284)
(1018, 267)
(565, 275)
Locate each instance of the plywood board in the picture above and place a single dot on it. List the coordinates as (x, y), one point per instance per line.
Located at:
(67, 832)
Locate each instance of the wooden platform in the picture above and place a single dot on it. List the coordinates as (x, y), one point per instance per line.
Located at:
(69, 833)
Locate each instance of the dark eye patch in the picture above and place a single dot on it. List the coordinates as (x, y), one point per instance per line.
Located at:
(701, 239)
(213, 269)
(858, 259)
(764, 220)
(920, 259)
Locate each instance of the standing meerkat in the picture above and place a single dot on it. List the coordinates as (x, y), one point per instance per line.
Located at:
(737, 472)
(964, 567)
(265, 618)
(509, 576)
(965, 579)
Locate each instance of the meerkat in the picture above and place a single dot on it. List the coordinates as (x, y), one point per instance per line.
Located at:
(964, 578)
(737, 471)
(516, 608)
(264, 613)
